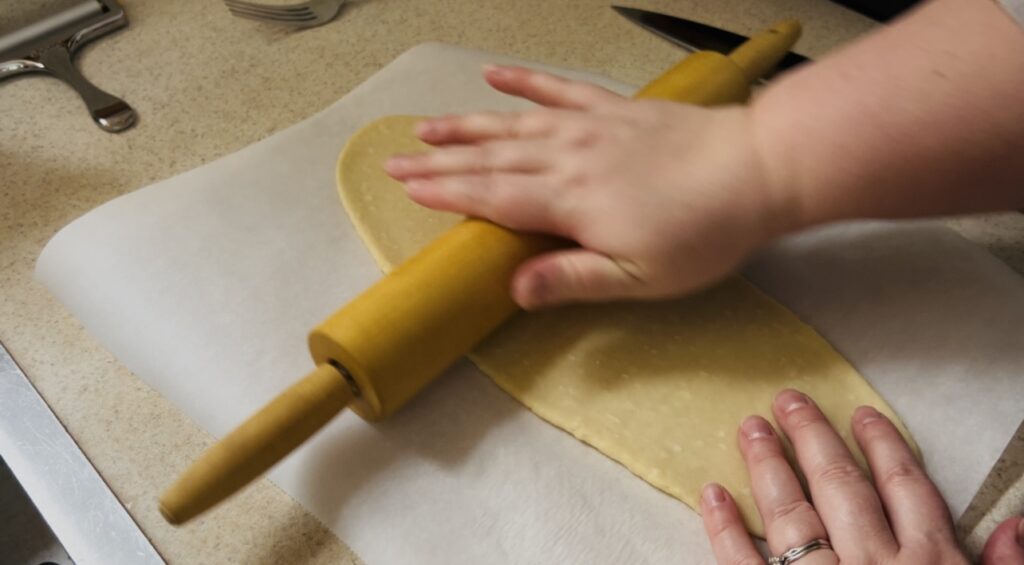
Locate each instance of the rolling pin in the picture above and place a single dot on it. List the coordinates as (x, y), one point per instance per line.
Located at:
(374, 354)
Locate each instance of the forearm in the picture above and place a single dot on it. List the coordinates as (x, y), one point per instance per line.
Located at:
(924, 117)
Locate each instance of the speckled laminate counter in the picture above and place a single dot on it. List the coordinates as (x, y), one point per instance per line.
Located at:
(206, 84)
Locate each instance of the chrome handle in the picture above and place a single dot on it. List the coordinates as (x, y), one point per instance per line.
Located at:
(108, 111)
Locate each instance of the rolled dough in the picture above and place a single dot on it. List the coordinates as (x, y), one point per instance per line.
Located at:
(660, 387)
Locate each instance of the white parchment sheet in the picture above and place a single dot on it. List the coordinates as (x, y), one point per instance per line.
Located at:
(206, 284)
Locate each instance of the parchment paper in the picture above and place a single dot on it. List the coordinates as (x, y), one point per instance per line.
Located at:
(205, 285)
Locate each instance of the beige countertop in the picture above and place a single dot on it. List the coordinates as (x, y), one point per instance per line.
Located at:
(206, 84)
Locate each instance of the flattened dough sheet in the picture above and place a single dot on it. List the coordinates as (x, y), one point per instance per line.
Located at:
(659, 387)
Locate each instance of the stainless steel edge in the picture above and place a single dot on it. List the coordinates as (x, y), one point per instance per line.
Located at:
(68, 492)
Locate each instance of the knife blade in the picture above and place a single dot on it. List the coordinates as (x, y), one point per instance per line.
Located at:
(694, 36)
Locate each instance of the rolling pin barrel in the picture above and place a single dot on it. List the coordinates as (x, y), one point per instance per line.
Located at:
(413, 324)
(407, 329)
(377, 352)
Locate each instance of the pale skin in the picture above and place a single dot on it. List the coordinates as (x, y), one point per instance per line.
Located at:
(923, 117)
(897, 517)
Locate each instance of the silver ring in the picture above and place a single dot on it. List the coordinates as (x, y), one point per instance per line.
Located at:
(792, 555)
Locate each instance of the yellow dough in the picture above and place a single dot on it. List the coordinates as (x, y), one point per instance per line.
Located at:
(659, 387)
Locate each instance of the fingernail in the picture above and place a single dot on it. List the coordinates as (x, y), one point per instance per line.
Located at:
(496, 70)
(713, 494)
(791, 400)
(867, 414)
(423, 128)
(755, 427)
(537, 291)
(427, 128)
(417, 185)
(395, 164)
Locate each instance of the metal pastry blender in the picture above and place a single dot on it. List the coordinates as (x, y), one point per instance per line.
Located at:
(48, 45)
(377, 352)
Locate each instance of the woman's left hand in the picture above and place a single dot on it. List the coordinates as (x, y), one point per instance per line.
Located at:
(663, 198)
(898, 518)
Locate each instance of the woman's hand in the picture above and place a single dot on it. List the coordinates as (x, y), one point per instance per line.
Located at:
(664, 198)
(898, 518)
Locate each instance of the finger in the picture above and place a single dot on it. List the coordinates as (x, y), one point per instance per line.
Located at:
(789, 519)
(572, 275)
(730, 541)
(488, 157)
(518, 201)
(470, 128)
(913, 504)
(1006, 544)
(845, 500)
(549, 90)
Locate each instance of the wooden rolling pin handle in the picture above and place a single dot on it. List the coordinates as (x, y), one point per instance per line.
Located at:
(708, 78)
(759, 54)
(260, 442)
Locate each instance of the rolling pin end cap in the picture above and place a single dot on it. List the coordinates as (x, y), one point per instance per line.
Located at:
(786, 26)
(169, 515)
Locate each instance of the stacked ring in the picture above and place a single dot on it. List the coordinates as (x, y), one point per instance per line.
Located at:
(794, 554)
